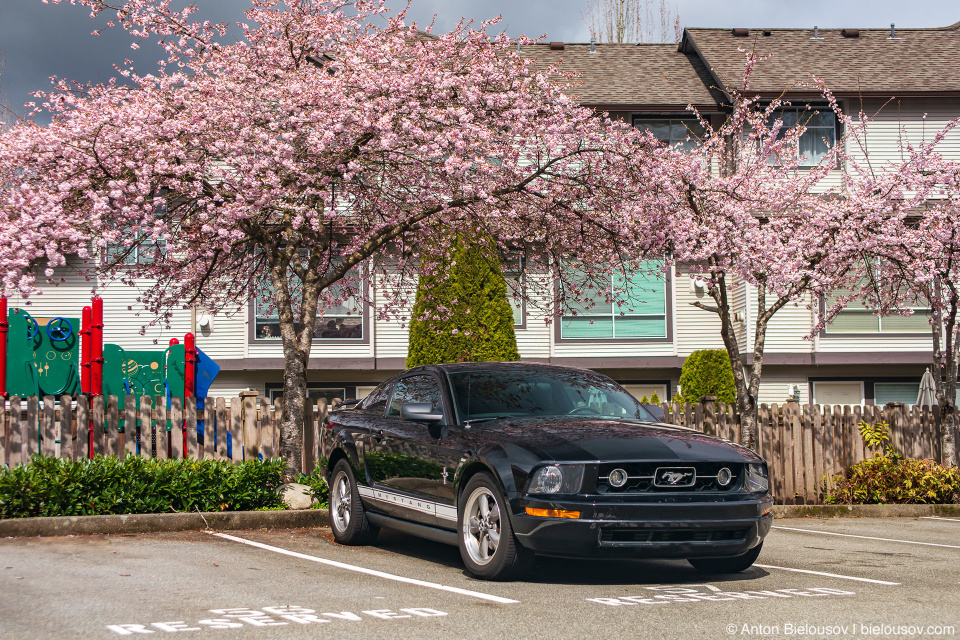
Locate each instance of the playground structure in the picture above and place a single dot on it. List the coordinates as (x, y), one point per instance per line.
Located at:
(50, 357)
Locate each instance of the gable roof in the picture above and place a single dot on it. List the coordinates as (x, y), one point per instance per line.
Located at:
(916, 62)
(627, 77)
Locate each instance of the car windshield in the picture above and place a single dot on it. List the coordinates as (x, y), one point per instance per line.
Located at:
(491, 393)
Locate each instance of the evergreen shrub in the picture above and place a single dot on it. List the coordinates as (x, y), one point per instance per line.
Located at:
(462, 313)
(49, 486)
(707, 373)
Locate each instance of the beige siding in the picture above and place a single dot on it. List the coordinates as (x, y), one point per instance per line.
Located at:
(775, 388)
(901, 121)
(788, 327)
(695, 328)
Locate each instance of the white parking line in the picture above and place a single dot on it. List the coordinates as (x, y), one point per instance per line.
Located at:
(850, 535)
(829, 575)
(369, 572)
(939, 518)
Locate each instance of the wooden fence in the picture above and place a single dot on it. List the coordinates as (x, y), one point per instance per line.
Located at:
(806, 444)
(803, 444)
(235, 429)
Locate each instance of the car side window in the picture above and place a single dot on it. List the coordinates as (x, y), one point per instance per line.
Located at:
(376, 402)
(420, 388)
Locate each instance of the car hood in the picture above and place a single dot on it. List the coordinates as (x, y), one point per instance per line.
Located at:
(566, 439)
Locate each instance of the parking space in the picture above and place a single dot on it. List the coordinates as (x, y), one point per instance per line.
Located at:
(815, 578)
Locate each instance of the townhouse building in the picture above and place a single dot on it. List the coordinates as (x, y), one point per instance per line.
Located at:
(908, 80)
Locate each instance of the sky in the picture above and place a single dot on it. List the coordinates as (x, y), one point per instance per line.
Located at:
(40, 40)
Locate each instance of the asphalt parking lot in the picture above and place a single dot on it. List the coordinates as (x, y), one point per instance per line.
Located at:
(816, 578)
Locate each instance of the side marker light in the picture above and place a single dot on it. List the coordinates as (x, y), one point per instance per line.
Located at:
(553, 513)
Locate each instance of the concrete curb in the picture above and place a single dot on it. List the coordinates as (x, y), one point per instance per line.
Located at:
(236, 520)
(865, 510)
(158, 522)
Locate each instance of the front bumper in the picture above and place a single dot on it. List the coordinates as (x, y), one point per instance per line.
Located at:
(702, 529)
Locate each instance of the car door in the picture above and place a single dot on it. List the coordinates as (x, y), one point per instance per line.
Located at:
(400, 459)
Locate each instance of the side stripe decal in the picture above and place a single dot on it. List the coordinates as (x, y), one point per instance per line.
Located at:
(440, 510)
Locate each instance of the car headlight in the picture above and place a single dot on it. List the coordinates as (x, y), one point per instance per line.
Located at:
(556, 478)
(756, 478)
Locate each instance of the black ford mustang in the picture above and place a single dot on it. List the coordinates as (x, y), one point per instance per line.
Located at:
(508, 460)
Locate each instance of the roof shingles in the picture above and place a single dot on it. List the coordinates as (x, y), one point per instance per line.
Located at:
(917, 61)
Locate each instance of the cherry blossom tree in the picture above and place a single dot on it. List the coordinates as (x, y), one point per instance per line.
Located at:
(911, 257)
(755, 211)
(310, 162)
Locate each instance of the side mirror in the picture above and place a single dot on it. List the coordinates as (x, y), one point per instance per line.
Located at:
(420, 412)
(655, 410)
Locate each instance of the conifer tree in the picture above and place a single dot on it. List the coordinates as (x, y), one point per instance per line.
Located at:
(461, 313)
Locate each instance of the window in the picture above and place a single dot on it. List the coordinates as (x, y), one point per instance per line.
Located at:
(342, 321)
(415, 389)
(647, 390)
(818, 138)
(905, 392)
(376, 401)
(838, 393)
(686, 132)
(315, 392)
(513, 274)
(142, 250)
(631, 306)
(858, 318)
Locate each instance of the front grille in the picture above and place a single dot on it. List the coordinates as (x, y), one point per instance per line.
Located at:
(639, 536)
(640, 477)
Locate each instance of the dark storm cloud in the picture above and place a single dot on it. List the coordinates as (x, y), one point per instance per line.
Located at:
(41, 40)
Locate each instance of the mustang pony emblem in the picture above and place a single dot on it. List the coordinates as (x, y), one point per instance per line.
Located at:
(676, 477)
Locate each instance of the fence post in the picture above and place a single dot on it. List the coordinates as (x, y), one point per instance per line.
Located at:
(82, 450)
(708, 415)
(33, 429)
(236, 429)
(209, 428)
(162, 439)
(190, 415)
(48, 442)
(146, 433)
(250, 448)
(15, 433)
(222, 424)
(112, 432)
(266, 428)
(176, 427)
(68, 429)
(128, 439)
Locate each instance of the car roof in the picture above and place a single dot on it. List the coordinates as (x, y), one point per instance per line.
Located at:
(455, 367)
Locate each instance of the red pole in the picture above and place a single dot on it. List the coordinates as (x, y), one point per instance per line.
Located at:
(85, 346)
(190, 375)
(4, 327)
(96, 348)
(96, 354)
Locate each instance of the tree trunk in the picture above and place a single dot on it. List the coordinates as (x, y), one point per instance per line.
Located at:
(746, 402)
(292, 423)
(297, 342)
(945, 360)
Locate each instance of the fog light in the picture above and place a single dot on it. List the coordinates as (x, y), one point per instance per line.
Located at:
(724, 477)
(617, 478)
(552, 513)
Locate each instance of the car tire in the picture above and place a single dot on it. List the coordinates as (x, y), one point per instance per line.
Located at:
(347, 518)
(735, 564)
(487, 544)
